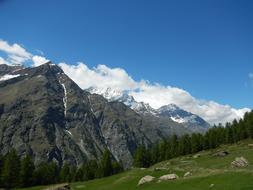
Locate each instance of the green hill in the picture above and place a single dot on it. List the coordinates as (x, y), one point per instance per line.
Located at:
(207, 172)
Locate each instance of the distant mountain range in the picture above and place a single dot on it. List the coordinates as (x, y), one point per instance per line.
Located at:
(45, 114)
(171, 111)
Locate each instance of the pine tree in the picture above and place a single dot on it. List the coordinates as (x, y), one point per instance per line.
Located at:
(26, 171)
(46, 173)
(1, 168)
(248, 119)
(139, 157)
(206, 141)
(196, 142)
(10, 172)
(90, 170)
(106, 164)
(79, 176)
(162, 150)
(73, 171)
(54, 172)
(185, 145)
(243, 130)
(174, 148)
(142, 157)
(65, 175)
(212, 137)
(220, 134)
(117, 167)
(155, 154)
(229, 135)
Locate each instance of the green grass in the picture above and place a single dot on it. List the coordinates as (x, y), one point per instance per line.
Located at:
(206, 170)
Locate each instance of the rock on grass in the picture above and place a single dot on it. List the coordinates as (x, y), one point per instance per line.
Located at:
(146, 179)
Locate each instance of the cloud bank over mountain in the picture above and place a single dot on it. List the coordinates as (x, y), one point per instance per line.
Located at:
(102, 76)
(155, 94)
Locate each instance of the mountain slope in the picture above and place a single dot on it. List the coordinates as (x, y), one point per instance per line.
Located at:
(33, 120)
(45, 114)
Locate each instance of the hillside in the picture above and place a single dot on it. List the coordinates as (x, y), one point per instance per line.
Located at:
(206, 169)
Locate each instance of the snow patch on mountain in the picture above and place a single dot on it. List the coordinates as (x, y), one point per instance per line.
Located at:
(90, 105)
(8, 77)
(64, 99)
(123, 96)
(181, 116)
(69, 132)
(178, 119)
(108, 93)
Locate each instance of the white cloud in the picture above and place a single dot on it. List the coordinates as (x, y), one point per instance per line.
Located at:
(14, 49)
(213, 112)
(155, 94)
(3, 61)
(16, 54)
(101, 76)
(39, 60)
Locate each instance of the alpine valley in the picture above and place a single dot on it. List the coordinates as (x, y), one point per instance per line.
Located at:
(43, 113)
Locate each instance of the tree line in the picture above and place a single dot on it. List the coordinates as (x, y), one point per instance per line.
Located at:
(16, 172)
(188, 144)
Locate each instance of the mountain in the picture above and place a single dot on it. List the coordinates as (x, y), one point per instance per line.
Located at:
(192, 121)
(43, 113)
(171, 111)
(123, 96)
(5, 69)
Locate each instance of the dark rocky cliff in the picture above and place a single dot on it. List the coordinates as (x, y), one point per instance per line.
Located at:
(45, 114)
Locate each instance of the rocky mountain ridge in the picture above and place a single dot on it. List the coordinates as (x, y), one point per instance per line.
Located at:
(43, 113)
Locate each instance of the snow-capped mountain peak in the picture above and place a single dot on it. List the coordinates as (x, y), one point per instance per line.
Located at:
(171, 111)
(123, 96)
(181, 116)
(108, 93)
(143, 108)
(171, 107)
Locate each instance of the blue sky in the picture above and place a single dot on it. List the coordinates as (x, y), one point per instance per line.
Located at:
(204, 47)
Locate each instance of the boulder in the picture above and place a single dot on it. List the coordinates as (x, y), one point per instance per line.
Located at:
(211, 186)
(240, 162)
(64, 186)
(160, 169)
(168, 177)
(196, 156)
(146, 179)
(187, 174)
(221, 153)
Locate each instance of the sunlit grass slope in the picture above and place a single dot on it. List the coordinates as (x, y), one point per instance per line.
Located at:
(208, 172)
